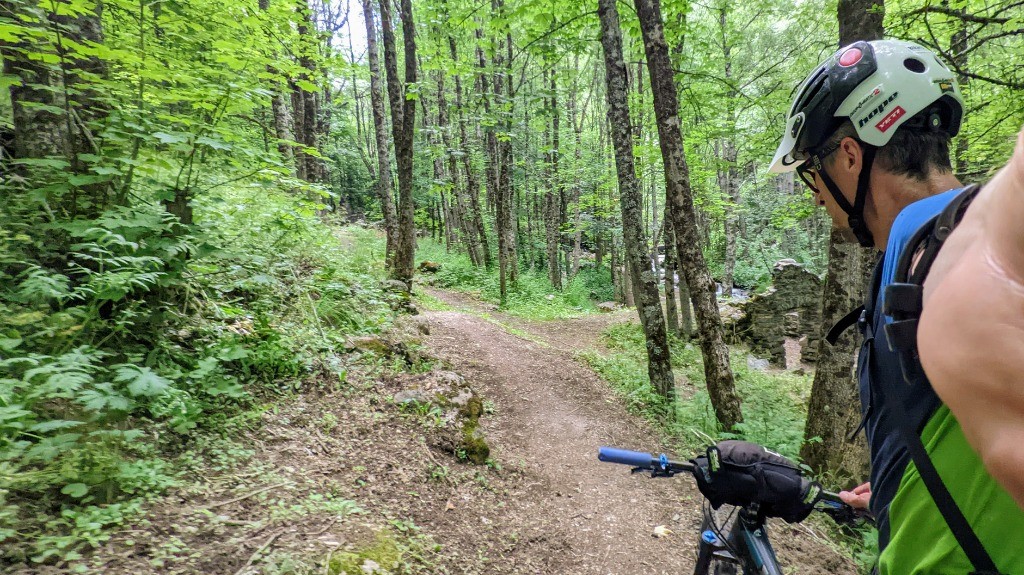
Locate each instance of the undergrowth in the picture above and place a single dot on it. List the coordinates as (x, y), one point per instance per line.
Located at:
(120, 363)
(774, 403)
(774, 410)
(531, 297)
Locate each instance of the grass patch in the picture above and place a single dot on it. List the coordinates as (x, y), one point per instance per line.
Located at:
(532, 297)
(774, 404)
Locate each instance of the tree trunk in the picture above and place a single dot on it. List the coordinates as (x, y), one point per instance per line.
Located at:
(577, 128)
(505, 180)
(659, 368)
(834, 411)
(306, 103)
(504, 224)
(40, 130)
(685, 310)
(729, 185)
(475, 223)
(384, 189)
(671, 309)
(552, 202)
(717, 371)
(403, 120)
(728, 176)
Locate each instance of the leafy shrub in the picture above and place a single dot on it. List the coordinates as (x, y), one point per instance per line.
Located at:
(113, 354)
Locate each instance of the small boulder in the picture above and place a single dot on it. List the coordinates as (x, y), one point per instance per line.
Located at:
(429, 267)
(757, 364)
(369, 343)
(413, 396)
(474, 444)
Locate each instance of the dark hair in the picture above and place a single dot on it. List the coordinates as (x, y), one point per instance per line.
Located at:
(911, 153)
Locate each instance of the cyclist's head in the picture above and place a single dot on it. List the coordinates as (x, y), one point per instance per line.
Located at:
(894, 101)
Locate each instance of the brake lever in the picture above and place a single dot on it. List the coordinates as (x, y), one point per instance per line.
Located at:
(842, 513)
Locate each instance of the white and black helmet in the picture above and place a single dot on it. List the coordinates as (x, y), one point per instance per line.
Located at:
(881, 87)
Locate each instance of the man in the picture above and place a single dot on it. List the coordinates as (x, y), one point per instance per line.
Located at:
(869, 133)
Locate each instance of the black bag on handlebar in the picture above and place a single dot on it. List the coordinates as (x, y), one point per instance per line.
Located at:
(742, 473)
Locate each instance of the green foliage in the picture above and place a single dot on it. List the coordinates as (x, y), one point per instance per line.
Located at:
(531, 297)
(149, 327)
(774, 403)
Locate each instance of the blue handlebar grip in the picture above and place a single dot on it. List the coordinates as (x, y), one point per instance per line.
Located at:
(626, 457)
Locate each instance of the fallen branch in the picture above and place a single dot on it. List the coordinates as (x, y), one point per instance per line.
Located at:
(324, 530)
(262, 548)
(247, 495)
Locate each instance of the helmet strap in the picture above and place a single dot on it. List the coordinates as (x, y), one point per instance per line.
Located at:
(855, 212)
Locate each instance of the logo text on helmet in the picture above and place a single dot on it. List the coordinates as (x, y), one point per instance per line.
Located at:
(877, 110)
(866, 99)
(890, 119)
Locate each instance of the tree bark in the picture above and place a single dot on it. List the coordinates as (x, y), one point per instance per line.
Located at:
(729, 185)
(834, 410)
(477, 231)
(39, 132)
(72, 133)
(384, 186)
(717, 371)
(671, 309)
(306, 103)
(384, 191)
(403, 120)
(552, 203)
(659, 368)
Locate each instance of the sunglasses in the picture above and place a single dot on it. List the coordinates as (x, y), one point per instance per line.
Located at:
(810, 168)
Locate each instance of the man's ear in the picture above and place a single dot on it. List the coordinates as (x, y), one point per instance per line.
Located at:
(851, 155)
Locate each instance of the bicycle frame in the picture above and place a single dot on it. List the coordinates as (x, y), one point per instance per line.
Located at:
(746, 545)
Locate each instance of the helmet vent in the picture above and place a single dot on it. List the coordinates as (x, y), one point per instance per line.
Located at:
(914, 65)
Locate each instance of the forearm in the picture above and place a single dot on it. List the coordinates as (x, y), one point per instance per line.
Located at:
(971, 335)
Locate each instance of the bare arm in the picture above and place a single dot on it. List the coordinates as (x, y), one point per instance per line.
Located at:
(971, 336)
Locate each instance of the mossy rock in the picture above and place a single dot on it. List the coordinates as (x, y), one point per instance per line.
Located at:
(472, 409)
(474, 444)
(379, 558)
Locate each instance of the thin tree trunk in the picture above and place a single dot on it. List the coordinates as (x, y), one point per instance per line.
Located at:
(717, 371)
(403, 120)
(477, 232)
(728, 176)
(671, 309)
(384, 189)
(552, 203)
(659, 367)
(505, 181)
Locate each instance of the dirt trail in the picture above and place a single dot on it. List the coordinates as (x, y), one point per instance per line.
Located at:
(335, 470)
(552, 414)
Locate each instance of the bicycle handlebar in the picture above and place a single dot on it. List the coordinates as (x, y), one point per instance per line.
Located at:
(641, 460)
(831, 503)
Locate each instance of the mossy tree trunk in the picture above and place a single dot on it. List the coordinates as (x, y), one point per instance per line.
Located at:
(659, 368)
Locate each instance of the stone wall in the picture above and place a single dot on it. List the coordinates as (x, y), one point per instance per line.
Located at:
(790, 309)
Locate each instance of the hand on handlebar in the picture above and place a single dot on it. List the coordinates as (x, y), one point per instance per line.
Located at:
(858, 498)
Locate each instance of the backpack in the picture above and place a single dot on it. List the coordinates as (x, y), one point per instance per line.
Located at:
(903, 302)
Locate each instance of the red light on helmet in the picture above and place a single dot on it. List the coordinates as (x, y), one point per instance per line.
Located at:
(850, 57)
